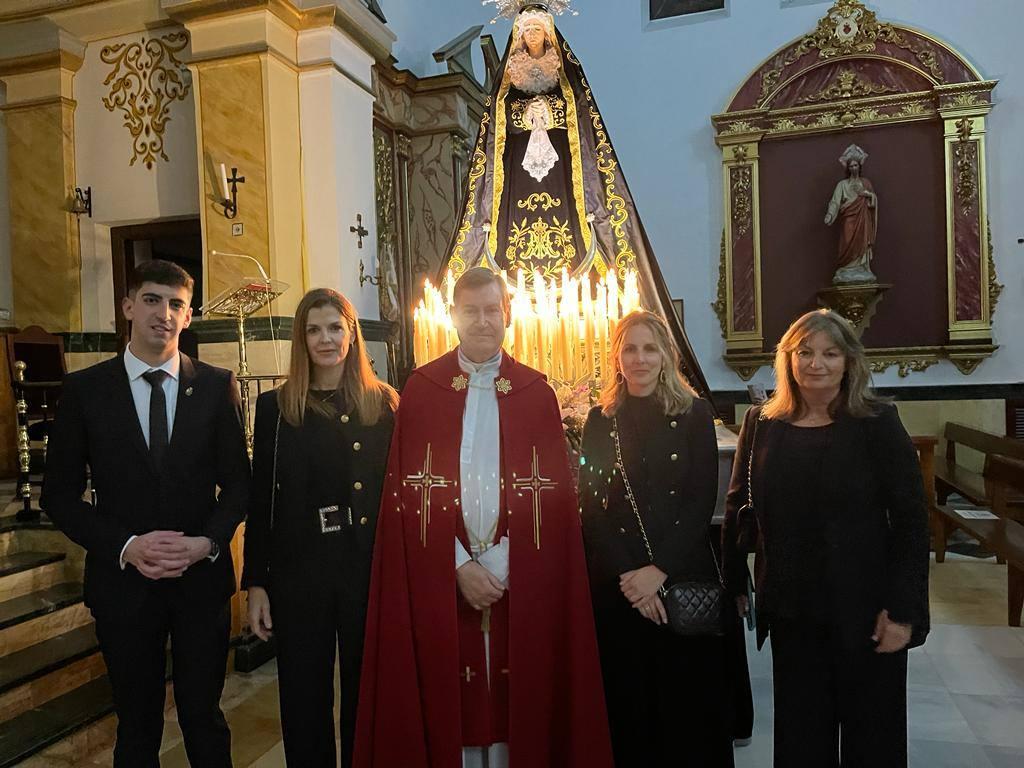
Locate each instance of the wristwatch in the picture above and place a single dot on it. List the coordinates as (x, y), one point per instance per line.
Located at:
(214, 550)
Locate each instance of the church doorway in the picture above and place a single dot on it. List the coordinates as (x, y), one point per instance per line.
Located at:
(179, 241)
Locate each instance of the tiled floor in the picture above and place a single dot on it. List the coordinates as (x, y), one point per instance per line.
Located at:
(966, 690)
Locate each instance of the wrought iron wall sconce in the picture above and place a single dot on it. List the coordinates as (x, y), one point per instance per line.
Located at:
(230, 195)
(82, 202)
(365, 278)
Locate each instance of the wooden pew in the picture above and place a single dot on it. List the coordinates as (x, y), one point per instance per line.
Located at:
(1005, 537)
(951, 477)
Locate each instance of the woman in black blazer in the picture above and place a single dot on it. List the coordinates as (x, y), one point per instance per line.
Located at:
(666, 695)
(841, 570)
(319, 451)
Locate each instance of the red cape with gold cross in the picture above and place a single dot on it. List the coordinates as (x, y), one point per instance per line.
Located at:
(425, 691)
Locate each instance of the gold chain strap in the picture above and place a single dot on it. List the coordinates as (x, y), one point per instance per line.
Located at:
(273, 477)
(636, 510)
(629, 489)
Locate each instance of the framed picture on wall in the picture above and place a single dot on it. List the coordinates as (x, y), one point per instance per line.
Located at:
(658, 14)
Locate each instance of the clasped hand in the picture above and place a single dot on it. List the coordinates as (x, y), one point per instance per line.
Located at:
(165, 554)
(479, 587)
(890, 636)
(641, 587)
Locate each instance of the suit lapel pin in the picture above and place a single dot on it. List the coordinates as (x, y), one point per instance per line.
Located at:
(459, 383)
(503, 385)
(188, 392)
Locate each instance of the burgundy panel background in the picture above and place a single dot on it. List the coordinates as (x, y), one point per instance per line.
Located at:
(798, 252)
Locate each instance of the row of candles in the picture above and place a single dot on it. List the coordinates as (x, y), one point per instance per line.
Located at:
(562, 328)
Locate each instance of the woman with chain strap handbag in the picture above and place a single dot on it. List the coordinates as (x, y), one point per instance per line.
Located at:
(827, 488)
(648, 485)
(319, 451)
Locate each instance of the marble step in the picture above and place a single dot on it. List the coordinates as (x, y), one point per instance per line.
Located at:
(36, 661)
(40, 615)
(24, 572)
(24, 561)
(38, 728)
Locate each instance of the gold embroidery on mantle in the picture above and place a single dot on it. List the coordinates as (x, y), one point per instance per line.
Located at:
(540, 246)
(545, 200)
(147, 77)
(426, 481)
(535, 483)
(555, 109)
(457, 263)
(849, 85)
(625, 258)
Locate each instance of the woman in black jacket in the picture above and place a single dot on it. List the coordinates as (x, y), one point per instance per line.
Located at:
(666, 695)
(841, 570)
(319, 451)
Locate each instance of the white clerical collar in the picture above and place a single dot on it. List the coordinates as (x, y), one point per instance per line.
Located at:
(136, 367)
(487, 366)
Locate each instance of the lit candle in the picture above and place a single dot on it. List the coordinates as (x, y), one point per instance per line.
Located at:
(225, 190)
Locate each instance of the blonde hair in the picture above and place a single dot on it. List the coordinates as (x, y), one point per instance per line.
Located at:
(672, 391)
(362, 390)
(855, 396)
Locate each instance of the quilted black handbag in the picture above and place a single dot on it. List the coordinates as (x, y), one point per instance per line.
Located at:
(694, 606)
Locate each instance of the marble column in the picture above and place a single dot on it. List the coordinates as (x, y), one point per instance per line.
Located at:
(38, 67)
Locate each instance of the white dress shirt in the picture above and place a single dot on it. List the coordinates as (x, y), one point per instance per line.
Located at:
(141, 389)
(141, 393)
(480, 468)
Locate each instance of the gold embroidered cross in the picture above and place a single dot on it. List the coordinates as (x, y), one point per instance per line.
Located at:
(459, 382)
(426, 481)
(468, 674)
(535, 483)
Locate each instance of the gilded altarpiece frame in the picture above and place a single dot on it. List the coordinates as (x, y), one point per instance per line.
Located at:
(856, 72)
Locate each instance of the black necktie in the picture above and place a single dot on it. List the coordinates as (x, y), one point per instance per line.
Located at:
(157, 415)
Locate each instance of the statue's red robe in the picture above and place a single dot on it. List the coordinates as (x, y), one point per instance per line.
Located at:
(425, 692)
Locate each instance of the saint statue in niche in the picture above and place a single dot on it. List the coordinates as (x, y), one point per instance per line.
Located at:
(855, 206)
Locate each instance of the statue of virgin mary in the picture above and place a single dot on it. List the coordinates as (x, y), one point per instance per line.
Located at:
(545, 191)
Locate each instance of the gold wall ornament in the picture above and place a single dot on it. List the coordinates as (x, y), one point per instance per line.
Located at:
(721, 303)
(849, 85)
(995, 288)
(966, 157)
(145, 80)
(913, 109)
(965, 100)
(740, 126)
(848, 29)
(964, 128)
(904, 366)
(543, 199)
(540, 246)
(742, 204)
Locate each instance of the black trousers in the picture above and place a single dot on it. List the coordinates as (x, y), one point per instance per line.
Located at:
(313, 620)
(133, 641)
(836, 706)
(668, 697)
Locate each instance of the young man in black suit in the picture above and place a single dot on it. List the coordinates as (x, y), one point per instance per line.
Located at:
(159, 434)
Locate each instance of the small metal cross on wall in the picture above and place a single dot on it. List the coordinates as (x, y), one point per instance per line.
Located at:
(359, 229)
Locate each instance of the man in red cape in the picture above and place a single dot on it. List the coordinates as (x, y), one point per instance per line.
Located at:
(499, 652)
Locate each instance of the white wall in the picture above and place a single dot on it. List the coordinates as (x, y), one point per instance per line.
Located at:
(123, 193)
(658, 89)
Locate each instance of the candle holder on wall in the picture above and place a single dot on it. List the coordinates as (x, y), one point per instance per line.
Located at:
(229, 189)
(82, 202)
(365, 278)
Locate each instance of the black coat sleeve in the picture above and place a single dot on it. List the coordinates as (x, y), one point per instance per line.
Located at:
(734, 560)
(903, 488)
(233, 470)
(258, 522)
(64, 482)
(687, 544)
(595, 468)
